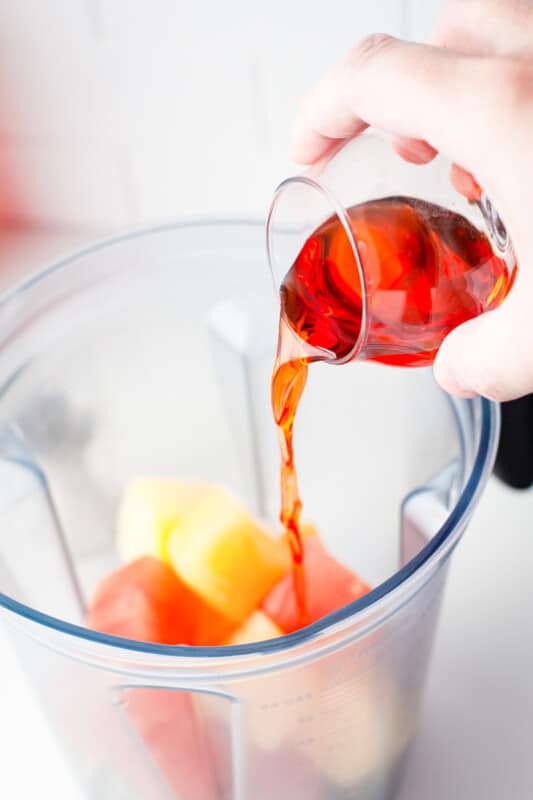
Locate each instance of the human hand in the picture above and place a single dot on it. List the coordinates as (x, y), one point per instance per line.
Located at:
(468, 94)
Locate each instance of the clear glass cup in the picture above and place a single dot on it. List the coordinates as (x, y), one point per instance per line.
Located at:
(399, 252)
(152, 354)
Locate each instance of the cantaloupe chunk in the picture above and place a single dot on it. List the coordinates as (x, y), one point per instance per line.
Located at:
(225, 555)
(149, 509)
(146, 600)
(257, 628)
(328, 586)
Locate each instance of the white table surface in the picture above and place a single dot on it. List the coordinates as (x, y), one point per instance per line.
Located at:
(476, 730)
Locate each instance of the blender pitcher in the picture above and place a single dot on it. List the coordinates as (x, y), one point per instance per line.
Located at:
(151, 354)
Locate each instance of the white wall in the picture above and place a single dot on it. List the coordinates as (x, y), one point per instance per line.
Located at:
(119, 112)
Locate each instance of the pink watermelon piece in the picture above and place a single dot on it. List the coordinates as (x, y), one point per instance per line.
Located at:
(328, 586)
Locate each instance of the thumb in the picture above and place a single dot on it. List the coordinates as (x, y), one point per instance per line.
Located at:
(491, 355)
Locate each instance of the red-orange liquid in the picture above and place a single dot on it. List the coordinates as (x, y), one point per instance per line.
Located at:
(426, 270)
(288, 382)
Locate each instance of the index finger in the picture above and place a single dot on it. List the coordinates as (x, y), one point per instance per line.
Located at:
(413, 90)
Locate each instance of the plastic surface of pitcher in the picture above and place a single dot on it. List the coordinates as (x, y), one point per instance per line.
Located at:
(151, 354)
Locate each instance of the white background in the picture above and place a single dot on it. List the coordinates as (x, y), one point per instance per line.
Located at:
(116, 112)
(120, 112)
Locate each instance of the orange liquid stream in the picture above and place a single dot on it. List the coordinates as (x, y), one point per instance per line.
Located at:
(288, 382)
(427, 270)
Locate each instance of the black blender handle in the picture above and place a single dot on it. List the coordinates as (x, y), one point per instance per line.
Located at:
(514, 461)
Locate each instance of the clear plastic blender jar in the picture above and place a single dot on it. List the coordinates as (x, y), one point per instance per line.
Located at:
(151, 354)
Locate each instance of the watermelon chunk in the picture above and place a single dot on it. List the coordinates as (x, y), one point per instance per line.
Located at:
(167, 722)
(328, 584)
(145, 600)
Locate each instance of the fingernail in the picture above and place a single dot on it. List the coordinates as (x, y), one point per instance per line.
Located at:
(415, 150)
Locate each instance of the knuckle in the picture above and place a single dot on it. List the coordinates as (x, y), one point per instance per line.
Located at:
(510, 84)
(368, 47)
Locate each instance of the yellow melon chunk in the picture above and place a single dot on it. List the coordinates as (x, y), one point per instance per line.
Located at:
(257, 628)
(225, 555)
(149, 509)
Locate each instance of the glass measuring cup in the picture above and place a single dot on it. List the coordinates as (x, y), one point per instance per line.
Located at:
(141, 356)
(379, 258)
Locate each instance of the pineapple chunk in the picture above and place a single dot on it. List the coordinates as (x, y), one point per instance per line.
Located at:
(225, 555)
(257, 628)
(149, 510)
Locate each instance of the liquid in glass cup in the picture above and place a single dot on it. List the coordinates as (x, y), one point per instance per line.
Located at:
(99, 384)
(379, 259)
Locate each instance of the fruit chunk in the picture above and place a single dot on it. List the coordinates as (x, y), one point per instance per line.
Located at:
(372, 728)
(225, 555)
(328, 584)
(146, 600)
(167, 722)
(257, 628)
(149, 509)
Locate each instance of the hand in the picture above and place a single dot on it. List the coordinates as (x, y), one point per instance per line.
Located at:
(468, 94)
